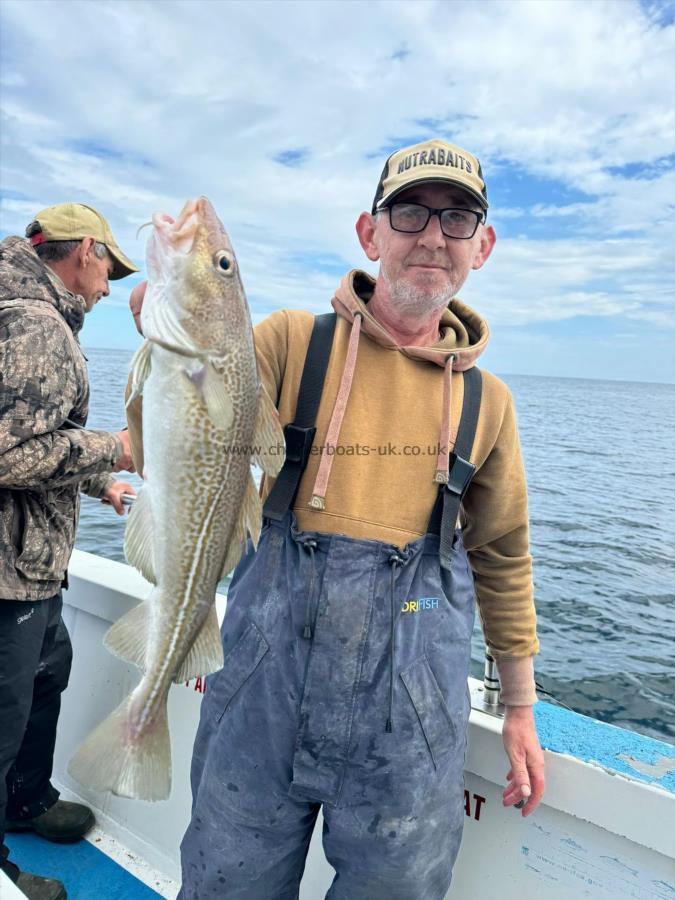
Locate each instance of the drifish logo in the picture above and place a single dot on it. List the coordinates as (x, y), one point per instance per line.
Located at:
(413, 606)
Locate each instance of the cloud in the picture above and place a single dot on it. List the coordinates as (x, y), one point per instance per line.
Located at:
(565, 104)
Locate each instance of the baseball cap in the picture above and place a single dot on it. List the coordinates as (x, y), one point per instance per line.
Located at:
(434, 160)
(75, 221)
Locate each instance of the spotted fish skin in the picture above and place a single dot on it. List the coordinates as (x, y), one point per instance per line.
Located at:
(205, 415)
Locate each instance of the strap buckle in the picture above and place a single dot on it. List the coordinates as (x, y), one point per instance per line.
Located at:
(460, 473)
(298, 443)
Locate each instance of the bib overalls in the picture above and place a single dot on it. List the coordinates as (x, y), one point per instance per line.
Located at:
(344, 686)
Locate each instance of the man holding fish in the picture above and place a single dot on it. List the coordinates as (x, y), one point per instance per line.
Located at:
(47, 285)
(347, 634)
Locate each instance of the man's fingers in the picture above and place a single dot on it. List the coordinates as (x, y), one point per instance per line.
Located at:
(525, 797)
(114, 501)
(512, 795)
(522, 780)
(537, 780)
(519, 790)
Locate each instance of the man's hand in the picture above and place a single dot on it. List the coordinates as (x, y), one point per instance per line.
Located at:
(526, 775)
(113, 495)
(124, 462)
(136, 303)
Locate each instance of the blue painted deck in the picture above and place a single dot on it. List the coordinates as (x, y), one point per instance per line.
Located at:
(85, 871)
(635, 755)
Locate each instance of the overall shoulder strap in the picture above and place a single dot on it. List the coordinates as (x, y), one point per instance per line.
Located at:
(446, 509)
(300, 433)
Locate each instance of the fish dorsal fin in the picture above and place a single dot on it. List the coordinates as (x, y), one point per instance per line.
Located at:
(250, 518)
(206, 654)
(252, 510)
(138, 537)
(234, 549)
(211, 389)
(140, 369)
(269, 436)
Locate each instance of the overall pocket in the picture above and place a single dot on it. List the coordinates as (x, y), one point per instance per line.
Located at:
(427, 698)
(238, 666)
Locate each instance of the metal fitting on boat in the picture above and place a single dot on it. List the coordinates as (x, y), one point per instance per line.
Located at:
(491, 683)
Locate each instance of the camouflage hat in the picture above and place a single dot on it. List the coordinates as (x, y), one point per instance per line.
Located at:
(73, 222)
(434, 160)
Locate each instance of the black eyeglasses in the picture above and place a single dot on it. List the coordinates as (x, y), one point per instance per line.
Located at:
(412, 218)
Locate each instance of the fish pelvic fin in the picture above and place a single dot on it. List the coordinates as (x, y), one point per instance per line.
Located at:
(138, 537)
(115, 757)
(206, 654)
(211, 389)
(140, 369)
(268, 438)
(128, 637)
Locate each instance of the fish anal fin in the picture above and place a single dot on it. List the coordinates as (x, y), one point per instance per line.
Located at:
(128, 637)
(138, 537)
(269, 436)
(206, 654)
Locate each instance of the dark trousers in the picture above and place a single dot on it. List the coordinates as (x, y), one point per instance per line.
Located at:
(35, 658)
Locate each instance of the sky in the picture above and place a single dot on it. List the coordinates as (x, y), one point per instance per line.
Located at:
(283, 114)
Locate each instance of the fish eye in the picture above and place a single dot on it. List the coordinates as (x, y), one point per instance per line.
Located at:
(223, 262)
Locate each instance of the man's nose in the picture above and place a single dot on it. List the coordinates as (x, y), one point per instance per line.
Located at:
(106, 292)
(432, 237)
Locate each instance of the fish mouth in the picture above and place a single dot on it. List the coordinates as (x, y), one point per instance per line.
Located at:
(179, 233)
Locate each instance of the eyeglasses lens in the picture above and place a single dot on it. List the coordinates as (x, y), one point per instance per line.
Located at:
(413, 217)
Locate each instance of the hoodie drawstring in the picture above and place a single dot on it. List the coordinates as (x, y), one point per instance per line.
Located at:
(318, 500)
(310, 546)
(394, 561)
(443, 459)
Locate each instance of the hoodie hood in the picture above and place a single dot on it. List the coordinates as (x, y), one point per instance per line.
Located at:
(464, 334)
(23, 276)
(463, 337)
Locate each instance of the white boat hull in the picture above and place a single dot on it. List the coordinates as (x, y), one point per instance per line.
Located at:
(606, 830)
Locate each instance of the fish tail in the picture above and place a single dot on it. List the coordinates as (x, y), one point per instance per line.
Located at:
(125, 758)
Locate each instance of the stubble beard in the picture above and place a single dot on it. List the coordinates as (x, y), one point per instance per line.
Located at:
(411, 300)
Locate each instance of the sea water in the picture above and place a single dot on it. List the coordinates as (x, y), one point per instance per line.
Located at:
(601, 479)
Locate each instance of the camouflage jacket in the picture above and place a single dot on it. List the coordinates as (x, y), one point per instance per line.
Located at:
(43, 462)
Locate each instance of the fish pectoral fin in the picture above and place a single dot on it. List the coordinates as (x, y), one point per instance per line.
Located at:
(140, 369)
(129, 763)
(268, 438)
(206, 654)
(212, 391)
(138, 537)
(128, 637)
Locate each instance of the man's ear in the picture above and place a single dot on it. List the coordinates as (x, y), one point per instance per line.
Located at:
(365, 229)
(86, 251)
(487, 242)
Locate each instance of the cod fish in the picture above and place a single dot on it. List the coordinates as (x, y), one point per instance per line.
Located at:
(205, 416)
